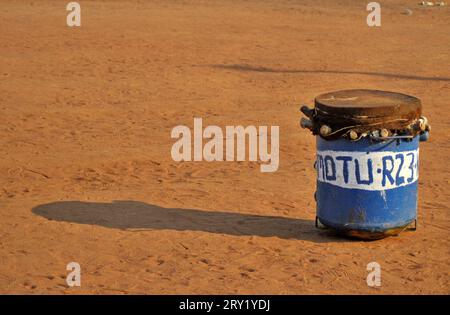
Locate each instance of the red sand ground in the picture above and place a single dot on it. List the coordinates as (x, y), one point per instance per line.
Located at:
(86, 116)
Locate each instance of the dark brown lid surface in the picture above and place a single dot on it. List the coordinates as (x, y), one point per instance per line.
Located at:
(367, 108)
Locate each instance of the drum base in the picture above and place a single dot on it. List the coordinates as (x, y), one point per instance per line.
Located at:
(368, 235)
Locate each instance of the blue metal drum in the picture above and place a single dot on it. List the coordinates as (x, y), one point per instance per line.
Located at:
(365, 188)
(367, 175)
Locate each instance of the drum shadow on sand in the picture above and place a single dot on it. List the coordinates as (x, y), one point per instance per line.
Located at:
(250, 68)
(139, 216)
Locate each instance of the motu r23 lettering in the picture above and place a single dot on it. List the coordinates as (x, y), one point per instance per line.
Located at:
(367, 170)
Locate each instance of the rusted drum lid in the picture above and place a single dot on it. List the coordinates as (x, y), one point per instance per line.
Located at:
(363, 110)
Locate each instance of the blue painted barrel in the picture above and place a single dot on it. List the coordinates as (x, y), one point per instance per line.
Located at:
(367, 189)
(367, 160)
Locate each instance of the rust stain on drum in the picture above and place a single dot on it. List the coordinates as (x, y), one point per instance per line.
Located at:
(357, 216)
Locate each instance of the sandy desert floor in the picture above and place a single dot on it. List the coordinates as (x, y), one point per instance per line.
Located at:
(87, 176)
